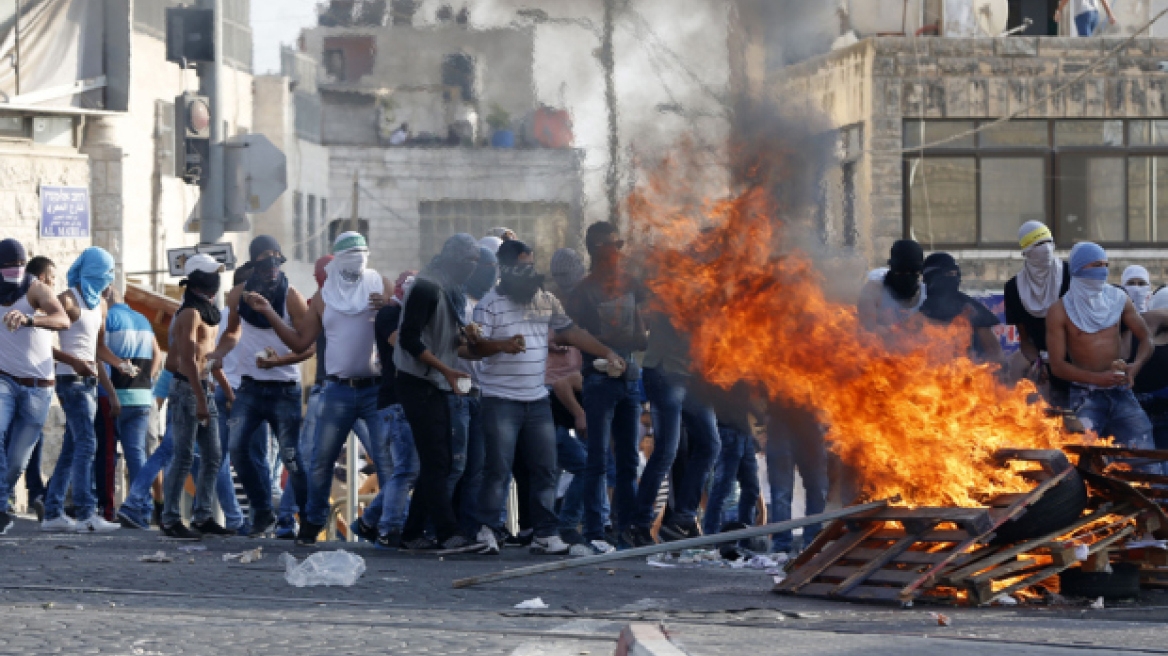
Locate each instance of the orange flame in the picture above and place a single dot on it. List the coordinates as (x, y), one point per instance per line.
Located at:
(921, 420)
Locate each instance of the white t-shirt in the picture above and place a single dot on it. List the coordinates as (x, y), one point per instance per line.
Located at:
(1083, 6)
(518, 377)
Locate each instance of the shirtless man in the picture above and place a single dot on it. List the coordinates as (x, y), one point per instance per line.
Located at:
(193, 414)
(1086, 325)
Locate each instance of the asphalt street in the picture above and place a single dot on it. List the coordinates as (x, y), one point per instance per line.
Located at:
(67, 594)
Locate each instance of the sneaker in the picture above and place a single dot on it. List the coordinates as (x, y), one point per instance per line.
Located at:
(95, 524)
(391, 540)
(5, 523)
(179, 531)
(210, 527)
(243, 530)
(420, 544)
(458, 543)
(552, 545)
(262, 525)
(522, 540)
(486, 537)
(130, 519)
(59, 524)
(674, 531)
(572, 536)
(308, 534)
(37, 505)
(578, 550)
(286, 531)
(602, 546)
(364, 531)
(636, 536)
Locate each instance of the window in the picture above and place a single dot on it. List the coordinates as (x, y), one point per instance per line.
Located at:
(543, 226)
(837, 193)
(53, 130)
(1097, 180)
(298, 222)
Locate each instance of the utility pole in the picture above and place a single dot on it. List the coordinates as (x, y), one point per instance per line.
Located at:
(608, 62)
(212, 205)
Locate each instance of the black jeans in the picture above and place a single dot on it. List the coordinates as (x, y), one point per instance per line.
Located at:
(428, 413)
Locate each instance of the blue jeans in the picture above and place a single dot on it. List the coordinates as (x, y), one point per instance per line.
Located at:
(472, 476)
(1157, 410)
(612, 408)
(289, 506)
(459, 438)
(1086, 23)
(735, 463)
(23, 411)
(399, 443)
(795, 439)
(224, 486)
(140, 499)
(573, 458)
(1113, 413)
(340, 409)
(510, 425)
(186, 432)
(278, 406)
(75, 464)
(670, 397)
(132, 425)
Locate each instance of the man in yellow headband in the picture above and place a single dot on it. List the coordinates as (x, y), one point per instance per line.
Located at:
(1044, 279)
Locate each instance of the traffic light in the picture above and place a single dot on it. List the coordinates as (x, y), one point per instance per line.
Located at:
(192, 134)
(190, 35)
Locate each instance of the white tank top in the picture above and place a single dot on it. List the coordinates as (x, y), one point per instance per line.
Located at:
(28, 352)
(352, 344)
(252, 341)
(80, 339)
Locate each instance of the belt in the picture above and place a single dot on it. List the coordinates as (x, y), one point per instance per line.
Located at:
(182, 378)
(73, 378)
(30, 382)
(355, 383)
(269, 383)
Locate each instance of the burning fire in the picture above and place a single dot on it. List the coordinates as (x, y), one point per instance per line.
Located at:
(918, 419)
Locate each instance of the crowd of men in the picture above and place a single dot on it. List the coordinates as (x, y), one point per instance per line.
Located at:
(476, 373)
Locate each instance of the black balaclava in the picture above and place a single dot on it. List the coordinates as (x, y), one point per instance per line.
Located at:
(201, 288)
(944, 300)
(518, 282)
(15, 282)
(485, 275)
(904, 269)
(452, 267)
(266, 280)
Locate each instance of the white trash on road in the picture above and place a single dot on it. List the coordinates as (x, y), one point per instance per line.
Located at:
(323, 568)
(532, 604)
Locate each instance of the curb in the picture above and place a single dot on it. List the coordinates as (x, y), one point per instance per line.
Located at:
(642, 639)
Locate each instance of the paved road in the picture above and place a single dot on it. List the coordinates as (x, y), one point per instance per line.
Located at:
(80, 594)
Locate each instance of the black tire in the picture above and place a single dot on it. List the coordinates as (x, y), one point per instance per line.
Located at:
(1058, 508)
(1121, 583)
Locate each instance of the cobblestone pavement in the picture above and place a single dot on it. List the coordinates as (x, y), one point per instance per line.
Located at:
(90, 594)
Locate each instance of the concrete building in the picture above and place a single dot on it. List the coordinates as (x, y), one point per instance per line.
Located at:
(470, 157)
(915, 155)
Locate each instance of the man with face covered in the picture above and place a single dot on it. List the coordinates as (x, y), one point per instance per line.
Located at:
(193, 413)
(947, 303)
(895, 293)
(518, 320)
(269, 389)
(345, 310)
(1044, 279)
(30, 312)
(78, 373)
(429, 338)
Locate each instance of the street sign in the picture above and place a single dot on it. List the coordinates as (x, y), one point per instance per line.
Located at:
(257, 174)
(64, 212)
(223, 253)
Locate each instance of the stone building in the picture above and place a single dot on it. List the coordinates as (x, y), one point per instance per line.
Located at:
(466, 155)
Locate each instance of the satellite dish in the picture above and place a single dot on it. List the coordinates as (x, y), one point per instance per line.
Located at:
(991, 16)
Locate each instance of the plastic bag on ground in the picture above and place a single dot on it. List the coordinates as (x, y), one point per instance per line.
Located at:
(531, 604)
(323, 568)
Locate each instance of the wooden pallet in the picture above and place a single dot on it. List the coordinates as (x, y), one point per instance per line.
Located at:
(894, 554)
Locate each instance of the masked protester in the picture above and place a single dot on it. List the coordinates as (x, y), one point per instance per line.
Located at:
(1151, 383)
(268, 391)
(894, 293)
(946, 303)
(30, 314)
(344, 310)
(78, 375)
(1083, 333)
(1044, 279)
(194, 415)
(1136, 282)
(518, 321)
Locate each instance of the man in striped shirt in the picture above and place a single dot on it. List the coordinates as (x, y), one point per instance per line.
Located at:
(516, 320)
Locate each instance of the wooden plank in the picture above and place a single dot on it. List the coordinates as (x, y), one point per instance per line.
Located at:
(1052, 460)
(1116, 452)
(974, 521)
(1138, 477)
(826, 558)
(1097, 562)
(861, 593)
(908, 557)
(830, 533)
(1055, 569)
(870, 568)
(1002, 570)
(894, 576)
(1036, 476)
(936, 535)
(1006, 500)
(1022, 547)
(933, 573)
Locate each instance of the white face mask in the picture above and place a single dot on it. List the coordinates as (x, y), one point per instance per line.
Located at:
(1139, 295)
(13, 275)
(351, 265)
(1041, 255)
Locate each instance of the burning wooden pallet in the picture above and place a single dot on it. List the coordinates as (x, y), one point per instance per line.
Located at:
(895, 554)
